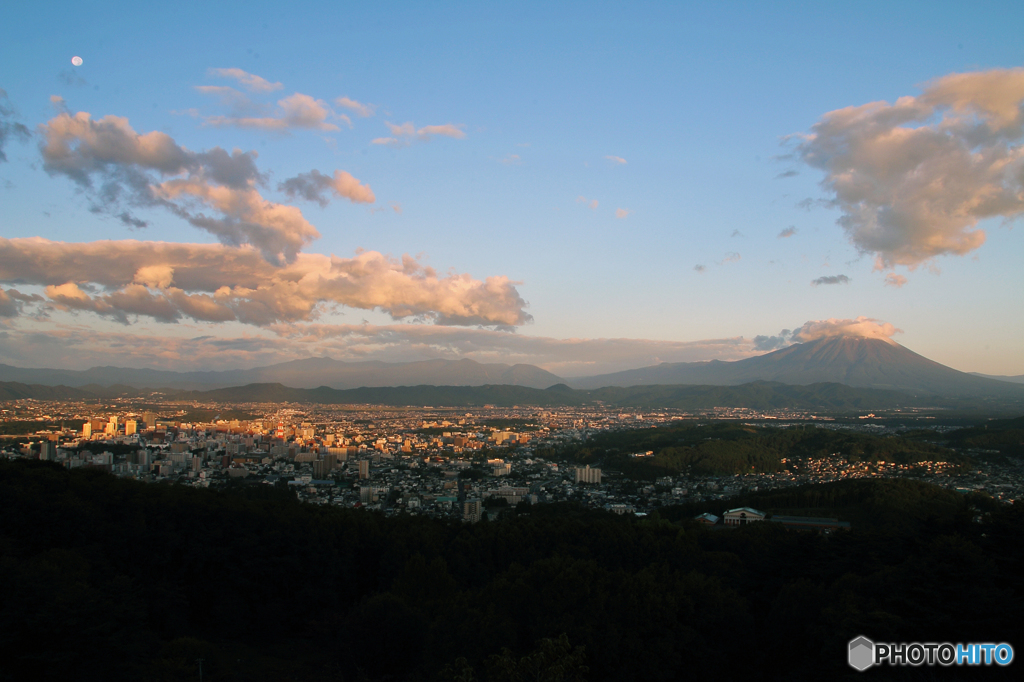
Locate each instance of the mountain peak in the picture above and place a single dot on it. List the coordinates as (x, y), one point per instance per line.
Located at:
(859, 361)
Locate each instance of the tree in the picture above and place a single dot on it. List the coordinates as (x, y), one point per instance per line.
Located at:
(553, 660)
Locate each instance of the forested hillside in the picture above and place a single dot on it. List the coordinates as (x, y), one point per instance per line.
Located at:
(103, 578)
(731, 448)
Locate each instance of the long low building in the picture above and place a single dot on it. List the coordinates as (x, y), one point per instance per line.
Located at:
(810, 523)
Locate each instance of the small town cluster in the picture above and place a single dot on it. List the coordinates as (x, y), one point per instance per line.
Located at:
(467, 464)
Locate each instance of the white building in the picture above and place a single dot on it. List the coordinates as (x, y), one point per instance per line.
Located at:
(740, 516)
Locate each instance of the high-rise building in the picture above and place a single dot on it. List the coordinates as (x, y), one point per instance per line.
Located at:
(588, 475)
(472, 510)
(364, 468)
(87, 430)
(322, 469)
(130, 427)
(48, 450)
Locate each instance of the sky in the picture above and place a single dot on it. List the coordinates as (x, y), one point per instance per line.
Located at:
(587, 187)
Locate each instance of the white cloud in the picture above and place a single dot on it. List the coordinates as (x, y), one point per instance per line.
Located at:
(622, 212)
(250, 81)
(616, 160)
(295, 111)
(913, 178)
(788, 232)
(403, 135)
(238, 103)
(360, 109)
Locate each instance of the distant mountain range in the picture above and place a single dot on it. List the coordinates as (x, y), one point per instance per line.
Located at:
(853, 362)
(758, 395)
(308, 373)
(1019, 379)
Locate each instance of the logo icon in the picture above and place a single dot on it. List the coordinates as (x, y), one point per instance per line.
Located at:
(861, 653)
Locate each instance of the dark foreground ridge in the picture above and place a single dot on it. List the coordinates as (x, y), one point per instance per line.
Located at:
(103, 578)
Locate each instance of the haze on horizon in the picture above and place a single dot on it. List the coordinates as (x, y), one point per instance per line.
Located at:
(586, 189)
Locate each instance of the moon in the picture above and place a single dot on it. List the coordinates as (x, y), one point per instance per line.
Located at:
(76, 60)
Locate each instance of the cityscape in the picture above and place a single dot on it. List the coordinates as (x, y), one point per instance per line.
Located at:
(511, 341)
(450, 463)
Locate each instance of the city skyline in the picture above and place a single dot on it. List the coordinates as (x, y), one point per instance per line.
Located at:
(587, 189)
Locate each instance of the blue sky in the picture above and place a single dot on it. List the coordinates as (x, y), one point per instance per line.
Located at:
(595, 185)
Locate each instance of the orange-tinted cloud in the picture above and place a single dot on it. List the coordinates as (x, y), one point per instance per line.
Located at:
(313, 186)
(861, 327)
(213, 282)
(123, 170)
(913, 178)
